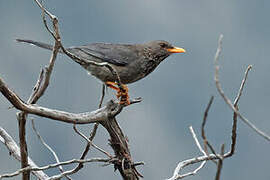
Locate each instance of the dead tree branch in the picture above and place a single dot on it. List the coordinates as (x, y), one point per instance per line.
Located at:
(36, 169)
(220, 157)
(203, 134)
(110, 110)
(181, 165)
(105, 115)
(38, 91)
(220, 162)
(90, 142)
(87, 148)
(227, 100)
(48, 147)
(14, 150)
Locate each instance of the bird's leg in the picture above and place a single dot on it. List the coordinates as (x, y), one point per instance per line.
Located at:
(112, 85)
(121, 93)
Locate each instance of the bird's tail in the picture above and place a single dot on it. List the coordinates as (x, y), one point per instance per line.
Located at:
(38, 44)
(50, 47)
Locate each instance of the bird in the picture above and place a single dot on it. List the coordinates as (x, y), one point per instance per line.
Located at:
(132, 62)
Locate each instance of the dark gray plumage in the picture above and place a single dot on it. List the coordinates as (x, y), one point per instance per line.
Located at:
(131, 61)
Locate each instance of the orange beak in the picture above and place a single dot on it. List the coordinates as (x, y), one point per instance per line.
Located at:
(176, 50)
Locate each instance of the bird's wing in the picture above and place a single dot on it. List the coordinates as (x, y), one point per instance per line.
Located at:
(117, 54)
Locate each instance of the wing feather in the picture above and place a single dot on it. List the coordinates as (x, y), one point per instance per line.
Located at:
(117, 54)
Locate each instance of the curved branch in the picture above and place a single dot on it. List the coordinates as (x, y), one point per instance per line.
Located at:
(36, 169)
(227, 100)
(111, 109)
(14, 150)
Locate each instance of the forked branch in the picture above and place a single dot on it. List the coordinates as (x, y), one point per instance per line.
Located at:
(220, 157)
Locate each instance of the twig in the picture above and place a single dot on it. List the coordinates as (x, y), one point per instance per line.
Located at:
(205, 141)
(92, 134)
(48, 147)
(181, 165)
(23, 145)
(87, 148)
(15, 152)
(196, 140)
(53, 166)
(220, 162)
(227, 100)
(44, 10)
(236, 100)
(234, 135)
(72, 171)
(90, 142)
(36, 87)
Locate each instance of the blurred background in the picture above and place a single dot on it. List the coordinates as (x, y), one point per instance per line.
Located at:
(174, 96)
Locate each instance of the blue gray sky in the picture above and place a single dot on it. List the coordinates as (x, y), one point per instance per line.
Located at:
(174, 96)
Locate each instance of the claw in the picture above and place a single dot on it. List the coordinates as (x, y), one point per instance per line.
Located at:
(122, 94)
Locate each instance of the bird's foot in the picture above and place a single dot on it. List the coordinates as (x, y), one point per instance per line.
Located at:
(122, 93)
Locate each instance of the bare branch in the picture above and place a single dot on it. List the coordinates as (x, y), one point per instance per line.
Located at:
(15, 152)
(205, 141)
(92, 134)
(234, 126)
(227, 100)
(111, 109)
(220, 162)
(45, 144)
(23, 146)
(90, 142)
(48, 147)
(242, 85)
(44, 10)
(53, 166)
(234, 135)
(215, 156)
(36, 87)
(196, 140)
(87, 148)
(37, 93)
(72, 171)
(181, 165)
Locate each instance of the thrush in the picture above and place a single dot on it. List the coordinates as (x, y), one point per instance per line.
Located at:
(132, 62)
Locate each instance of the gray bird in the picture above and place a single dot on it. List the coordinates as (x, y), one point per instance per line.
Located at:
(131, 61)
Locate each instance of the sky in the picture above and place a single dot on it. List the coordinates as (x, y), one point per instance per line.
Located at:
(174, 96)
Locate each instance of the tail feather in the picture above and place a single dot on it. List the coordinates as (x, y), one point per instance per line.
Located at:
(38, 44)
(50, 47)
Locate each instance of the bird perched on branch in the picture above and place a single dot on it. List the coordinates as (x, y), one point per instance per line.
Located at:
(132, 62)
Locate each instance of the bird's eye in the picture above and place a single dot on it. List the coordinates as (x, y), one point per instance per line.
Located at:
(163, 45)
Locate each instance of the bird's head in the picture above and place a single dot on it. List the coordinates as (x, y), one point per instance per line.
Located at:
(160, 49)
